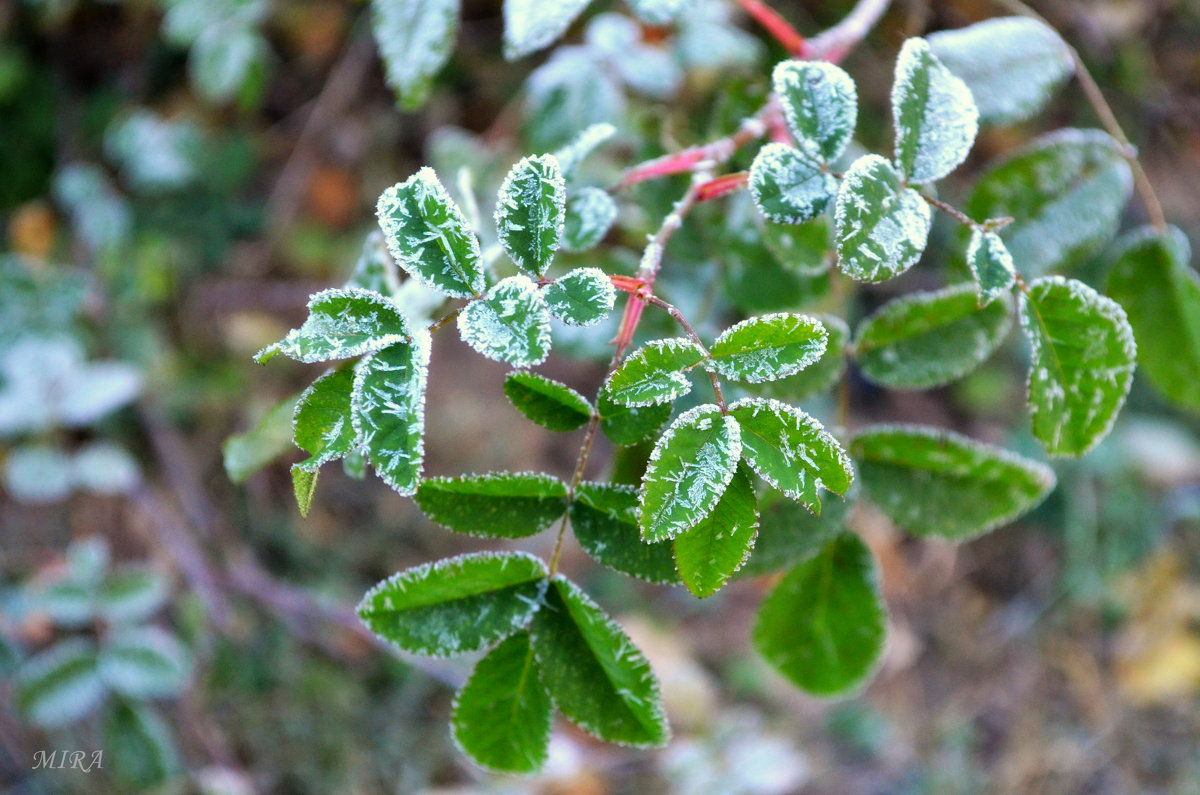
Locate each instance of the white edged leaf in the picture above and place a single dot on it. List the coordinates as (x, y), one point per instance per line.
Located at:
(549, 403)
(604, 518)
(494, 505)
(768, 347)
(510, 324)
(590, 214)
(415, 38)
(388, 411)
(789, 185)
(708, 554)
(531, 25)
(529, 212)
(820, 104)
(321, 423)
(990, 264)
(821, 375)
(935, 116)
(581, 297)
(342, 323)
(882, 226)
(655, 373)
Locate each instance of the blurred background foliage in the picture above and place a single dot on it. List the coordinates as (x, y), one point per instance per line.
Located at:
(178, 176)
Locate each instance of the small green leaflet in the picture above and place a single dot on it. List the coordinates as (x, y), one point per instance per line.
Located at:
(789, 185)
(801, 248)
(1011, 64)
(549, 403)
(388, 411)
(882, 226)
(655, 373)
(789, 534)
(457, 605)
(604, 517)
(594, 673)
(820, 103)
(529, 212)
(990, 264)
(511, 324)
(415, 38)
(130, 594)
(531, 25)
(581, 297)
(502, 715)
(923, 340)
(1153, 280)
(791, 451)
(144, 662)
(304, 487)
(136, 734)
(708, 554)
(68, 601)
(932, 482)
(689, 469)
(630, 425)
(271, 436)
(59, 685)
(1083, 357)
(824, 625)
(321, 423)
(590, 214)
(429, 237)
(935, 116)
(375, 270)
(341, 324)
(574, 153)
(818, 377)
(768, 347)
(1065, 193)
(496, 505)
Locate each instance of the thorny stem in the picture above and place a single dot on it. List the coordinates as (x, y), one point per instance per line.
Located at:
(779, 28)
(1108, 120)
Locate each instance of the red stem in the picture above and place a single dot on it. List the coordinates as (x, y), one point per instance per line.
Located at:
(722, 186)
(779, 28)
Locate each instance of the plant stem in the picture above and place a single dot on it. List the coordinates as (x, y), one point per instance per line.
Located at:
(951, 210)
(704, 156)
(779, 28)
(674, 312)
(835, 43)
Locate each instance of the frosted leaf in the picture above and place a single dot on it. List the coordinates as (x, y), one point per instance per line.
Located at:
(429, 237)
(820, 103)
(572, 89)
(935, 116)
(494, 505)
(659, 12)
(224, 58)
(100, 214)
(604, 519)
(655, 373)
(990, 264)
(154, 154)
(529, 212)
(818, 377)
(708, 38)
(105, 468)
(186, 20)
(321, 422)
(59, 685)
(374, 270)
(582, 297)
(511, 324)
(590, 214)
(415, 38)
(547, 402)
(647, 69)
(1081, 368)
(708, 554)
(768, 347)
(791, 451)
(531, 25)
(788, 185)
(688, 471)
(341, 324)
(570, 156)
(1012, 65)
(418, 301)
(37, 474)
(882, 227)
(388, 411)
(1065, 193)
(144, 662)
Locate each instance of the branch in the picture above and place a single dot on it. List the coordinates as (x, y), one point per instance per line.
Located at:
(833, 44)
(674, 312)
(779, 28)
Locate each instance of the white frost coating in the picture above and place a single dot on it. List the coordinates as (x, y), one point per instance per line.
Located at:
(582, 297)
(693, 484)
(510, 324)
(882, 227)
(935, 116)
(105, 468)
(655, 373)
(991, 265)
(415, 38)
(327, 451)
(1012, 65)
(341, 332)
(529, 212)
(38, 474)
(788, 185)
(590, 214)
(820, 103)
(769, 347)
(388, 413)
(571, 155)
(530, 25)
(658, 12)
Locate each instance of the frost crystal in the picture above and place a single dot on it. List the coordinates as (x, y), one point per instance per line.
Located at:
(935, 116)
(511, 324)
(882, 227)
(529, 212)
(820, 103)
(789, 186)
(530, 25)
(415, 38)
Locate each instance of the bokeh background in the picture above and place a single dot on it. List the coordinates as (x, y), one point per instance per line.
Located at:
(177, 177)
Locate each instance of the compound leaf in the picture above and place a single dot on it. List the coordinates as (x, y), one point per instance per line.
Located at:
(820, 104)
(529, 212)
(415, 38)
(59, 685)
(630, 425)
(882, 226)
(496, 505)
(581, 297)
(990, 264)
(654, 374)
(144, 662)
(768, 347)
(388, 411)
(341, 324)
(547, 402)
(935, 116)
(789, 185)
(604, 517)
(708, 554)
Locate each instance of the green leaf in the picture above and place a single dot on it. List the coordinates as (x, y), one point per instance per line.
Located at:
(130, 594)
(59, 685)
(791, 451)
(429, 237)
(502, 715)
(355, 465)
(937, 483)
(630, 425)
(1011, 64)
(581, 297)
(1083, 357)
(882, 226)
(374, 270)
(934, 114)
(1154, 282)
(144, 662)
(529, 212)
(495, 505)
(1065, 193)
(990, 264)
(322, 419)
(549, 403)
(824, 625)
(789, 534)
(768, 347)
(415, 39)
(655, 373)
(389, 411)
(789, 185)
(590, 214)
(818, 377)
(689, 469)
(574, 153)
(457, 605)
(531, 25)
(604, 517)
(304, 487)
(594, 673)
(510, 324)
(801, 248)
(270, 437)
(820, 104)
(708, 554)
(141, 745)
(341, 324)
(923, 340)
(68, 601)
